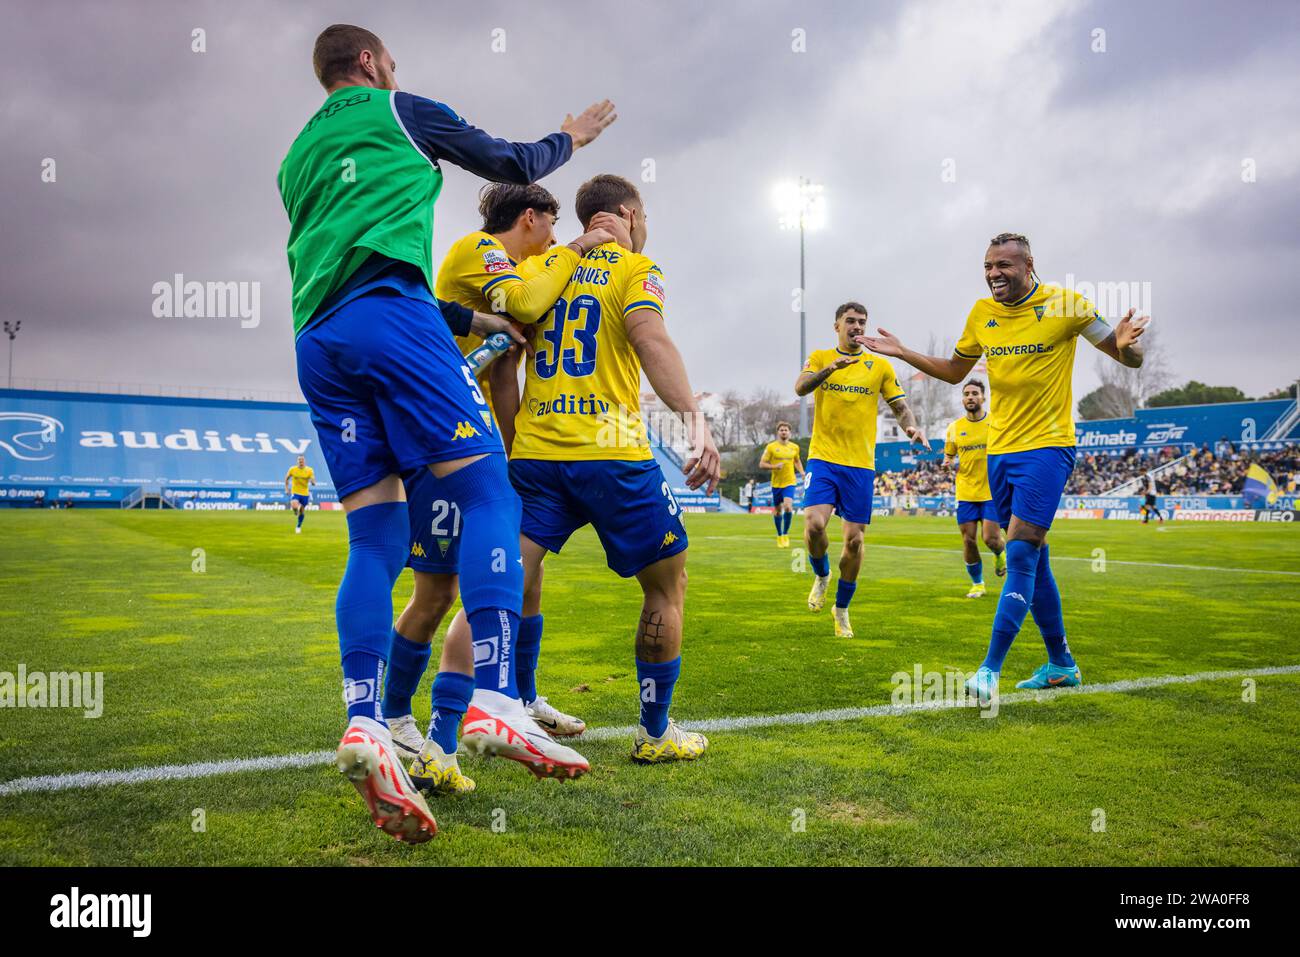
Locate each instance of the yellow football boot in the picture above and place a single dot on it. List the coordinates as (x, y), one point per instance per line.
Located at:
(436, 772)
(674, 744)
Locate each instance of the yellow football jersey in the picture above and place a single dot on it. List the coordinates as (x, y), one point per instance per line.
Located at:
(477, 272)
(844, 415)
(969, 442)
(783, 455)
(300, 479)
(1029, 348)
(582, 391)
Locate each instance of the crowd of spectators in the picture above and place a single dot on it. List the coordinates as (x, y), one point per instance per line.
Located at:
(1210, 470)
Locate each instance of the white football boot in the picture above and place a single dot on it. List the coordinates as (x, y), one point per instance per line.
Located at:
(842, 627)
(367, 758)
(554, 721)
(817, 597)
(407, 738)
(497, 725)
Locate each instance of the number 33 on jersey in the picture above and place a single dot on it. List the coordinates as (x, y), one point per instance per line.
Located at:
(582, 392)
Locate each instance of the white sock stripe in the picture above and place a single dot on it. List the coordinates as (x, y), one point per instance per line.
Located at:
(180, 772)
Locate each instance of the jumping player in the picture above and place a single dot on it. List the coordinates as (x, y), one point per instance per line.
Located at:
(387, 387)
(965, 445)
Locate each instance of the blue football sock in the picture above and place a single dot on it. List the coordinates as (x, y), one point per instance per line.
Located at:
(1046, 608)
(378, 539)
(777, 518)
(528, 648)
(491, 571)
(844, 593)
(976, 571)
(302, 513)
(495, 630)
(451, 694)
(1017, 595)
(656, 681)
(406, 663)
(785, 526)
(821, 566)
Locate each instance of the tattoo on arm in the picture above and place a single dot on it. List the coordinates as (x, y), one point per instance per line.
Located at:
(903, 413)
(813, 380)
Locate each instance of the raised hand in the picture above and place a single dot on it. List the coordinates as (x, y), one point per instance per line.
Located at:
(917, 435)
(589, 123)
(1129, 330)
(884, 344)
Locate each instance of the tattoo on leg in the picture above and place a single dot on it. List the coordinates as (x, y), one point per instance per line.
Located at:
(649, 634)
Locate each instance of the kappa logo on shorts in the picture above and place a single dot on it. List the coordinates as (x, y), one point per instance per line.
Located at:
(464, 430)
(418, 550)
(669, 538)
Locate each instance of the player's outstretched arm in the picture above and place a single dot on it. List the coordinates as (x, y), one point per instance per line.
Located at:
(1122, 344)
(666, 372)
(949, 370)
(441, 134)
(907, 421)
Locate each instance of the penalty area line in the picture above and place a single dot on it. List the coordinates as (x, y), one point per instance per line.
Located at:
(84, 780)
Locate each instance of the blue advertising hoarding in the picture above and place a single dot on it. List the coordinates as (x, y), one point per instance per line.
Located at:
(1183, 426)
(99, 448)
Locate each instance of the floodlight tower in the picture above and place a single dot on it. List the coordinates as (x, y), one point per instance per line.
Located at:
(801, 205)
(11, 330)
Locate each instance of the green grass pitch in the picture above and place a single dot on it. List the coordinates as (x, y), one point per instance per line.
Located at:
(240, 660)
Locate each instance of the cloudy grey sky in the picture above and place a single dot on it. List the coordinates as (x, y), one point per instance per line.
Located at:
(932, 125)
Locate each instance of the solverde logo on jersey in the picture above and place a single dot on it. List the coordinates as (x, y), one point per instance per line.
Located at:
(1022, 349)
(842, 387)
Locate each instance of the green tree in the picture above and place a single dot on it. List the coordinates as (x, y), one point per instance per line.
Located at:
(1197, 393)
(1107, 402)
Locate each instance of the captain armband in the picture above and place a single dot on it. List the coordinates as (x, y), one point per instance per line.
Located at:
(1097, 331)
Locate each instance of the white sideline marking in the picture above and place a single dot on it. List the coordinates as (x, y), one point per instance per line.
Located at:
(183, 772)
(1055, 558)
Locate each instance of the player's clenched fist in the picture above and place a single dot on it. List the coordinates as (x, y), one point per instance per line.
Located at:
(589, 123)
